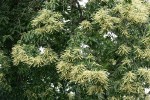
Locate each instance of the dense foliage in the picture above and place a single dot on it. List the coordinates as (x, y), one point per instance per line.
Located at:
(62, 50)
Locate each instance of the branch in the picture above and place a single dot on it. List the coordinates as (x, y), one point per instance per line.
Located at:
(80, 10)
(75, 5)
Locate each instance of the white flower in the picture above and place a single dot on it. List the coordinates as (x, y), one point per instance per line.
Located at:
(147, 90)
(0, 65)
(41, 50)
(112, 35)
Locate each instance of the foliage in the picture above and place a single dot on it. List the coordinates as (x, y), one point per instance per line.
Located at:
(60, 50)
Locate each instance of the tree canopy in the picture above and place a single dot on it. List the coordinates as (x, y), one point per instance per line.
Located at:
(62, 50)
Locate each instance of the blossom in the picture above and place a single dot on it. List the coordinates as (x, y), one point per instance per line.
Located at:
(112, 35)
(41, 50)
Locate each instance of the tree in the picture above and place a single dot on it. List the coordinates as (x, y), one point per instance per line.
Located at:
(63, 50)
